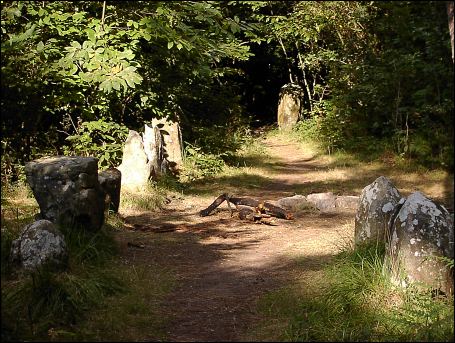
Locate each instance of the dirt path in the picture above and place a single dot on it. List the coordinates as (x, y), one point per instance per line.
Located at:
(224, 264)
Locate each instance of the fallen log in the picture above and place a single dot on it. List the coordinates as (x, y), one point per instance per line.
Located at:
(218, 201)
(259, 206)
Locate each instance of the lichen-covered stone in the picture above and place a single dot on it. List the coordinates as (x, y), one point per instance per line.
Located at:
(135, 168)
(67, 190)
(289, 106)
(173, 142)
(350, 202)
(422, 236)
(154, 149)
(325, 202)
(110, 182)
(39, 244)
(377, 205)
(295, 203)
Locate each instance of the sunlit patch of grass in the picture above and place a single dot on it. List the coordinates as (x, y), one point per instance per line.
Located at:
(18, 210)
(18, 206)
(114, 221)
(346, 173)
(251, 168)
(148, 198)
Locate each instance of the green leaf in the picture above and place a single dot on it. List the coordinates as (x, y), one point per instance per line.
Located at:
(40, 46)
(129, 80)
(75, 44)
(91, 34)
(73, 69)
(78, 16)
(147, 36)
(170, 44)
(106, 86)
(87, 44)
(116, 84)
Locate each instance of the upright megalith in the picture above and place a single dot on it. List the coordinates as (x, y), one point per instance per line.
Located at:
(421, 244)
(110, 182)
(151, 155)
(172, 137)
(135, 168)
(154, 149)
(289, 105)
(377, 206)
(67, 190)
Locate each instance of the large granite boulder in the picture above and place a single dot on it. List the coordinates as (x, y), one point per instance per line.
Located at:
(422, 236)
(135, 168)
(347, 202)
(325, 202)
(377, 206)
(295, 203)
(67, 190)
(39, 244)
(110, 182)
(289, 106)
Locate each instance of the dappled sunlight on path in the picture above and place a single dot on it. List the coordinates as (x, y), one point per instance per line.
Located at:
(223, 264)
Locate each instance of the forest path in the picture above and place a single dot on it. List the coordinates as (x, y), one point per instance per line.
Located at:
(223, 264)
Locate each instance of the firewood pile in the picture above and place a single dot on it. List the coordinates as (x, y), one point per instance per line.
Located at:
(250, 209)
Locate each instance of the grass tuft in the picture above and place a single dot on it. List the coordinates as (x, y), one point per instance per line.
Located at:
(357, 302)
(150, 198)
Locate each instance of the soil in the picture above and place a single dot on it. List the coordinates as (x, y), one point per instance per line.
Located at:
(224, 264)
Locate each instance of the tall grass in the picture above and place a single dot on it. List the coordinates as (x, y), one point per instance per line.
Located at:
(149, 198)
(33, 303)
(357, 302)
(97, 297)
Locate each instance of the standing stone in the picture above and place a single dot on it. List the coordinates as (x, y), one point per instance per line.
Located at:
(154, 149)
(325, 202)
(173, 144)
(289, 106)
(377, 205)
(422, 234)
(39, 244)
(135, 169)
(67, 190)
(110, 182)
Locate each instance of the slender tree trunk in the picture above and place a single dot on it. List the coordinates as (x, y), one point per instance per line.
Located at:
(287, 59)
(284, 49)
(302, 67)
(102, 16)
(450, 17)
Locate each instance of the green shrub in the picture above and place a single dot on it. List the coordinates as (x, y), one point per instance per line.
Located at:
(100, 139)
(198, 164)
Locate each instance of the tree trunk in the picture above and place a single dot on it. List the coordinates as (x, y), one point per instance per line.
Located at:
(450, 17)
